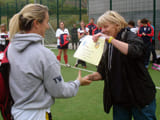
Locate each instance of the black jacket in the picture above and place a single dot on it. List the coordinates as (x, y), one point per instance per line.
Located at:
(128, 82)
(74, 35)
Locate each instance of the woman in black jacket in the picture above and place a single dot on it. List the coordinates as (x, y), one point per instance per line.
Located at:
(128, 85)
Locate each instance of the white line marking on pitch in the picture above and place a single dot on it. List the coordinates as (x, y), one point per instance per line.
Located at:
(90, 71)
(158, 88)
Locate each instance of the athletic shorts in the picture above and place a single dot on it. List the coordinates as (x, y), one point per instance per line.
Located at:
(63, 47)
(41, 114)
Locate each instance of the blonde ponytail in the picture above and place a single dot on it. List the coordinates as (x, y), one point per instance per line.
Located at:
(23, 20)
(14, 25)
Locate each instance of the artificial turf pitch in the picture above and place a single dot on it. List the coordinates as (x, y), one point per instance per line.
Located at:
(88, 103)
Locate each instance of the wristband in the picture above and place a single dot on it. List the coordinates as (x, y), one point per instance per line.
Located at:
(110, 39)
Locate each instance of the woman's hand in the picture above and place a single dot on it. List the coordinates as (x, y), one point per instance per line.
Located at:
(83, 81)
(143, 34)
(93, 77)
(96, 36)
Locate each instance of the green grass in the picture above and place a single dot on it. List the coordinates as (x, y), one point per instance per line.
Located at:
(88, 104)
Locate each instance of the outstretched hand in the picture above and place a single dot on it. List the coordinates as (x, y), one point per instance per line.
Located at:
(83, 81)
(93, 77)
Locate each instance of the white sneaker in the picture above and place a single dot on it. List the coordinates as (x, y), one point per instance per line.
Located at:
(68, 65)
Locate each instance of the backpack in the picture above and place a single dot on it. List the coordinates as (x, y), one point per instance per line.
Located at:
(159, 36)
(63, 40)
(6, 100)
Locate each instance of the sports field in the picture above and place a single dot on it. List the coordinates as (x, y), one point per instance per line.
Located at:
(88, 104)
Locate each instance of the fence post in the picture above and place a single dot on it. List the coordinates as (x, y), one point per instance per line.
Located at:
(57, 13)
(154, 18)
(40, 1)
(27, 2)
(0, 15)
(48, 3)
(16, 7)
(7, 16)
(87, 7)
(62, 6)
(110, 4)
(80, 11)
(75, 3)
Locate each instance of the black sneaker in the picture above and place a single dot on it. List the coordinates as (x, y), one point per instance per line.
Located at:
(76, 65)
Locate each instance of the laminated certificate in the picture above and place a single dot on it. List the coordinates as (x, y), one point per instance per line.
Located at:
(90, 51)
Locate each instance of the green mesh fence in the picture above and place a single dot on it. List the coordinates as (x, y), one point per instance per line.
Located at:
(72, 11)
(139, 9)
(68, 11)
(130, 10)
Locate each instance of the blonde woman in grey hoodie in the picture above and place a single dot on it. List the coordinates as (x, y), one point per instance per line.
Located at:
(35, 77)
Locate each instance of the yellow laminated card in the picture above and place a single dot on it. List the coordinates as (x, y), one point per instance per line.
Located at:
(90, 51)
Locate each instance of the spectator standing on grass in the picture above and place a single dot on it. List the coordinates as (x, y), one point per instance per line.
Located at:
(154, 55)
(74, 37)
(4, 37)
(146, 32)
(132, 27)
(63, 36)
(128, 85)
(35, 77)
(82, 31)
(91, 26)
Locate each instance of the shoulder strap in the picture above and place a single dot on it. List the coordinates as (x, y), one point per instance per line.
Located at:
(5, 58)
(124, 35)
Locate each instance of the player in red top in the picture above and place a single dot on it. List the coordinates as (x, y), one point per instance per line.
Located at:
(91, 26)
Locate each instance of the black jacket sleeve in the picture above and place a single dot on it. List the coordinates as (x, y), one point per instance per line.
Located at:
(135, 46)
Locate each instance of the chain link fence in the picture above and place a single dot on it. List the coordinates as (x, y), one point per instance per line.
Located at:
(73, 11)
(130, 10)
(69, 11)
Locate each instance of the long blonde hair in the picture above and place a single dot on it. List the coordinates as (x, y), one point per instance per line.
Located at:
(114, 18)
(23, 20)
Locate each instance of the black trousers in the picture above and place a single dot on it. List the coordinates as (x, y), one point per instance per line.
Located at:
(83, 63)
(147, 53)
(154, 55)
(76, 45)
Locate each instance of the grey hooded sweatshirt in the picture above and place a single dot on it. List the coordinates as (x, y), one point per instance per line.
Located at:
(35, 76)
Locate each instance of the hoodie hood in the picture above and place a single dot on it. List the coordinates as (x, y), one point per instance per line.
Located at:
(22, 41)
